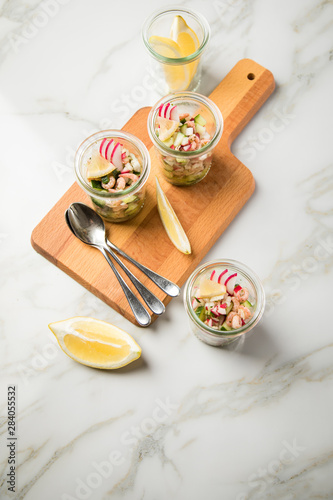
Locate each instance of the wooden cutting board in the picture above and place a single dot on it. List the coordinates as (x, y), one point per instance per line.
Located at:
(205, 209)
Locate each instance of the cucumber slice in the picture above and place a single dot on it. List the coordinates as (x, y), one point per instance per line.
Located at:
(96, 184)
(131, 209)
(183, 129)
(200, 119)
(202, 315)
(178, 139)
(247, 304)
(200, 129)
(105, 179)
(130, 199)
(225, 327)
(98, 203)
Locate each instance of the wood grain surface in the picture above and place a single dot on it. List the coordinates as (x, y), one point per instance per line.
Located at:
(223, 192)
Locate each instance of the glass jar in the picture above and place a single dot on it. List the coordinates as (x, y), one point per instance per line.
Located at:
(184, 168)
(175, 73)
(245, 278)
(122, 205)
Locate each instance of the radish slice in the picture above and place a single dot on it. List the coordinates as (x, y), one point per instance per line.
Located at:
(174, 115)
(212, 275)
(102, 147)
(167, 111)
(116, 156)
(123, 156)
(108, 150)
(243, 322)
(125, 171)
(221, 275)
(230, 283)
(237, 288)
(186, 148)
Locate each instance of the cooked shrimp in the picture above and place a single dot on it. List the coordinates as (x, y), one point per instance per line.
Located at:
(109, 185)
(130, 176)
(184, 115)
(190, 123)
(244, 312)
(121, 183)
(193, 146)
(234, 320)
(235, 302)
(242, 294)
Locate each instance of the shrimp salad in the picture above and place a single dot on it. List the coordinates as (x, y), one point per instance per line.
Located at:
(111, 168)
(221, 303)
(183, 133)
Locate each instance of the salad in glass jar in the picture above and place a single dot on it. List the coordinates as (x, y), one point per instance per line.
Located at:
(184, 129)
(113, 173)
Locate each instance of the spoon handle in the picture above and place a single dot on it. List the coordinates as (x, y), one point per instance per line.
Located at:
(150, 299)
(141, 314)
(164, 284)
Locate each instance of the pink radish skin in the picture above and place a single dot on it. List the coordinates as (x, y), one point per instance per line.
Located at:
(116, 157)
(230, 284)
(125, 171)
(221, 276)
(212, 275)
(108, 150)
(166, 111)
(237, 289)
(186, 148)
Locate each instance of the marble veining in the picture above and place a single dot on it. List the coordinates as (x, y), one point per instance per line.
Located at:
(187, 421)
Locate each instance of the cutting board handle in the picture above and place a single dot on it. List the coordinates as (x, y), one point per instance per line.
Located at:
(240, 94)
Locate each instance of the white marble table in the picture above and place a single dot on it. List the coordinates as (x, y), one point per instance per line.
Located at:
(191, 421)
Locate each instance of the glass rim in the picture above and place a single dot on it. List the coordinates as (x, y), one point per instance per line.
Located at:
(113, 134)
(176, 10)
(249, 275)
(183, 95)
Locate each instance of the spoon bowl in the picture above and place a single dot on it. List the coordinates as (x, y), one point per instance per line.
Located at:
(86, 224)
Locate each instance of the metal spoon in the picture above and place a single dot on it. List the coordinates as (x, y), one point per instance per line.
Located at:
(150, 299)
(164, 284)
(92, 237)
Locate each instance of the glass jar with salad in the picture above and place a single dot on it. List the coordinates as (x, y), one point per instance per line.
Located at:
(185, 127)
(112, 167)
(224, 300)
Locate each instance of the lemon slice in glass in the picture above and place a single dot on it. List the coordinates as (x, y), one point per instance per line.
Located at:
(167, 128)
(187, 41)
(95, 343)
(170, 222)
(177, 76)
(98, 166)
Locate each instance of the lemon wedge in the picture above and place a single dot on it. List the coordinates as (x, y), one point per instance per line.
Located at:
(98, 166)
(187, 41)
(167, 127)
(177, 76)
(171, 223)
(95, 343)
(209, 288)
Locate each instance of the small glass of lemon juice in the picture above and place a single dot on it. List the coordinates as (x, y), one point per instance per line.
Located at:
(176, 40)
